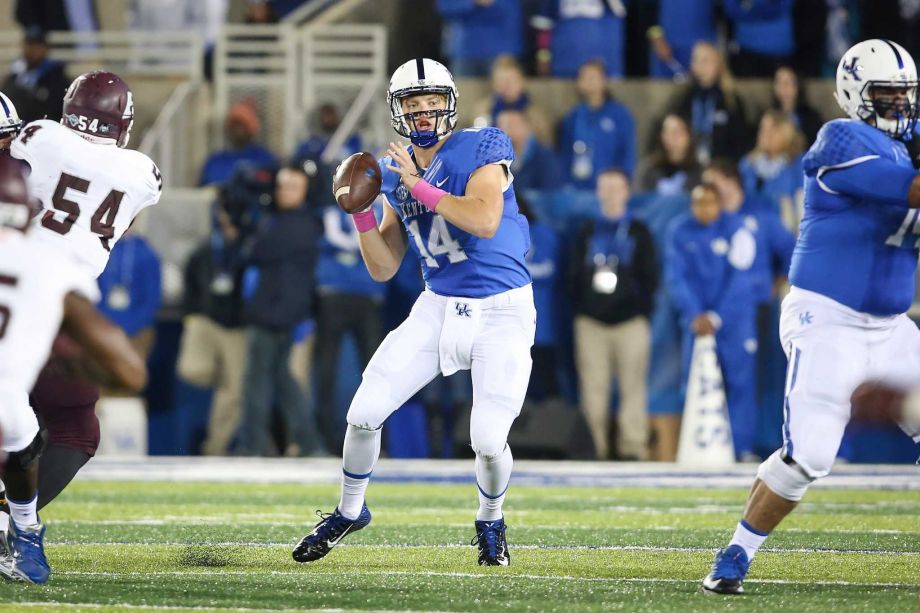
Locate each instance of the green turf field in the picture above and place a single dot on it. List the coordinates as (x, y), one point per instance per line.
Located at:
(130, 546)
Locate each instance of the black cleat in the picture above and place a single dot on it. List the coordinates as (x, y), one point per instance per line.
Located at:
(328, 533)
(493, 546)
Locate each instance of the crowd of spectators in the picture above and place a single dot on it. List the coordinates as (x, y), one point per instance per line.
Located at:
(622, 259)
(656, 37)
(632, 256)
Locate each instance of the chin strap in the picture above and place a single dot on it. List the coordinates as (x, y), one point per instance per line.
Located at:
(426, 139)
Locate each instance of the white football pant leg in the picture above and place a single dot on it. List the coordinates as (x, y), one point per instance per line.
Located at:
(405, 362)
(18, 424)
(826, 344)
(501, 369)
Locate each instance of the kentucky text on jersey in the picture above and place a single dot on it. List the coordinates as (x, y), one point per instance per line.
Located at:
(455, 262)
(858, 239)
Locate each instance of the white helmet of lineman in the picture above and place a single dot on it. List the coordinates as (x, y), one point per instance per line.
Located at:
(422, 76)
(877, 83)
(10, 124)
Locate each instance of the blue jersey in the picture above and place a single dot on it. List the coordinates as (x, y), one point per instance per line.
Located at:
(856, 242)
(455, 262)
(774, 246)
(708, 268)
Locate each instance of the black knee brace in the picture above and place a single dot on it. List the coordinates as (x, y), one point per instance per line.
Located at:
(20, 461)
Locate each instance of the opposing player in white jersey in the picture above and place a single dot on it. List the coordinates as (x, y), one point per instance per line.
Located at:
(450, 197)
(852, 277)
(39, 289)
(90, 187)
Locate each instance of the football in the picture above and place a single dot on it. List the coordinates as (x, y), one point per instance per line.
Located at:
(357, 182)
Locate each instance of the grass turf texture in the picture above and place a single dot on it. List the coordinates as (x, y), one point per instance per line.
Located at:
(126, 546)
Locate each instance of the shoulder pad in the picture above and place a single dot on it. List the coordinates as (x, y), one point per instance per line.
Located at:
(840, 141)
(493, 146)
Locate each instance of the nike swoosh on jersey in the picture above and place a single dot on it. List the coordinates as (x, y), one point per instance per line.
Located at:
(441, 182)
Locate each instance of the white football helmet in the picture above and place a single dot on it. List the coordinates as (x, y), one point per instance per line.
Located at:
(879, 64)
(422, 76)
(10, 124)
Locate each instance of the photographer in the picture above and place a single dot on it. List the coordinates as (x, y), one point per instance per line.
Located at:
(613, 277)
(278, 286)
(247, 195)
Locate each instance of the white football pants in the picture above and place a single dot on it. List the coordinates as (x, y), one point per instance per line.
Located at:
(831, 350)
(18, 424)
(409, 358)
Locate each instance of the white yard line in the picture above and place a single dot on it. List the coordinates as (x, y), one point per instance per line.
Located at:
(148, 607)
(464, 546)
(485, 575)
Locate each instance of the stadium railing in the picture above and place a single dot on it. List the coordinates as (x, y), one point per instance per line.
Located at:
(287, 71)
(134, 51)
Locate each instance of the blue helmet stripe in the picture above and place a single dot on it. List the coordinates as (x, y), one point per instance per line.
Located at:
(897, 55)
(420, 67)
(6, 107)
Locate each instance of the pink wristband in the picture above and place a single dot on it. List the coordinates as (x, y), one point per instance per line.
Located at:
(427, 194)
(365, 221)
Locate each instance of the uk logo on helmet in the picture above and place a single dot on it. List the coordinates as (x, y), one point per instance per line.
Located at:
(853, 68)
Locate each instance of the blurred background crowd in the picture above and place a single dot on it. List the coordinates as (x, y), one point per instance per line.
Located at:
(258, 320)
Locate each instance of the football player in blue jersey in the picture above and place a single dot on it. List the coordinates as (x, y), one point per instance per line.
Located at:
(450, 197)
(852, 276)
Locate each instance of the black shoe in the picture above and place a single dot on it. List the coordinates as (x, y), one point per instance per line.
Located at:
(332, 528)
(493, 546)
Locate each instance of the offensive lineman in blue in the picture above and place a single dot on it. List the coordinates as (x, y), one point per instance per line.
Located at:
(852, 277)
(450, 197)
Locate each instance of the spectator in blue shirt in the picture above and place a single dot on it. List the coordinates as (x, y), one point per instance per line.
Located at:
(671, 169)
(773, 169)
(708, 262)
(348, 301)
(571, 32)
(241, 127)
(598, 132)
(763, 35)
(476, 31)
(678, 25)
(130, 289)
(770, 271)
(534, 166)
(774, 242)
(328, 120)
